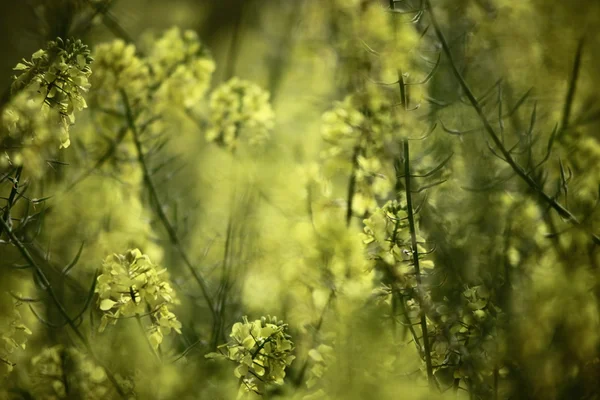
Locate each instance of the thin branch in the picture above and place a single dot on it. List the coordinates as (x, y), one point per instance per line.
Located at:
(352, 185)
(103, 159)
(173, 237)
(572, 87)
(138, 318)
(415, 254)
(11, 197)
(40, 274)
(187, 350)
(562, 211)
(68, 268)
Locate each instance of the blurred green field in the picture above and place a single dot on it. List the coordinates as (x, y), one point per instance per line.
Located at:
(334, 199)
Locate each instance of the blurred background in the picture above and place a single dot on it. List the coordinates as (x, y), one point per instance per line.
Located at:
(280, 218)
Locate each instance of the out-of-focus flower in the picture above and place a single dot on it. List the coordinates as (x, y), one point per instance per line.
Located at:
(65, 373)
(117, 68)
(240, 110)
(182, 68)
(13, 334)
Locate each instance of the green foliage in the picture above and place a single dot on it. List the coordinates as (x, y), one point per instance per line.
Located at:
(13, 333)
(424, 232)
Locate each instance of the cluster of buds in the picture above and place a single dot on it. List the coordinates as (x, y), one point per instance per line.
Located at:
(239, 110)
(357, 133)
(182, 68)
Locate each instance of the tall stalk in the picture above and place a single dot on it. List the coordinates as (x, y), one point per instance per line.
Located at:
(506, 153)
(415, 258)
(61, 308)
(172, 234)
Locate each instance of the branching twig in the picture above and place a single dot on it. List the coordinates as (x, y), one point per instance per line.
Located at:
(40, 274)
(11, 197)
(572, 87)
(415, 257)
(558, 207)
(173, 237)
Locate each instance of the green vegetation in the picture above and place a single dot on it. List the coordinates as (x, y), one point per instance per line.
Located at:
(410, 186)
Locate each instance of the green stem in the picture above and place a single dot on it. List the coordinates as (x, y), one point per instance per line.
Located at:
(559, 208)
(11, 197)
(415, 258)
(173, 237)
(138, 318)
(316, 331)
(496, 382)
(399, 298)
(233, 52)
(21, 247)
(352, 185)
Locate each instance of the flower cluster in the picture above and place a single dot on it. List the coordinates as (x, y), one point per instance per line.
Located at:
(358, 134)
(66, 373)
(13, 334)
(131, 285)
(367, 42)
(239, 109)
(341, 127)
(181, 66)
(467, 339)
(263, 350)
(387, 237)
(26, 134)
(322, 357)
(117, 68)
(457, 332)
(59, 77)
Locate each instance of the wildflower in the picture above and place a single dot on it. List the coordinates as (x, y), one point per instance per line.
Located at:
(181, 66)
(58, 373)
(240, 109)
(262, 349)
(117, 68)
(58, 75)
(131, 285)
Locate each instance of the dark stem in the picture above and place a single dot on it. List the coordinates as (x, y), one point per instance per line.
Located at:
(58, 304)
(572, 87)
(415, 258)
(559, 208)
(173, 237)
(352, 185)
(11, 197)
